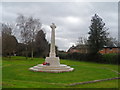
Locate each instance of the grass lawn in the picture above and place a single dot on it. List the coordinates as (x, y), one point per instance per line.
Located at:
(15, 74)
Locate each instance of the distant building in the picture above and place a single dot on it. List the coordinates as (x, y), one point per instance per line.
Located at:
(107, 50)
(85, 49)
(78, 49)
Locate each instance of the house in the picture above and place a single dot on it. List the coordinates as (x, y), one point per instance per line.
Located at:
(107, 50)
(78, 49)
(85, 49)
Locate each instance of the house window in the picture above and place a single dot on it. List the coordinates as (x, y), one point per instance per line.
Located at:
(110, 48)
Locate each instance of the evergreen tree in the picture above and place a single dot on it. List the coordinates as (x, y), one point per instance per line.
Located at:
(41, 44)
(97, 34)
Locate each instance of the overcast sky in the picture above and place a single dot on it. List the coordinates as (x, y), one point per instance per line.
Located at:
(72, 19)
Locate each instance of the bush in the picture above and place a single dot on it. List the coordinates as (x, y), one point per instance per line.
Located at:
(77, 56)
(99, 58)
(111, 58)
(62, 55)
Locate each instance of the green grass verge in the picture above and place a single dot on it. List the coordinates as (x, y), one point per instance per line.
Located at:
(16, 74)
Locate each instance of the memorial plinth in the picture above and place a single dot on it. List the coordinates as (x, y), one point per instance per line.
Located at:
(54, 62)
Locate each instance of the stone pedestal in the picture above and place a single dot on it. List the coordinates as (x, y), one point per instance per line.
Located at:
(51, 69)
(54, 62)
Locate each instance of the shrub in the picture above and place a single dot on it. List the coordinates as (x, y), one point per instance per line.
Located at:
(99, 58)
(62, 55)
(111, 58)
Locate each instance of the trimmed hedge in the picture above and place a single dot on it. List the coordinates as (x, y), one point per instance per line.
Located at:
(99, 58)
(111, 58)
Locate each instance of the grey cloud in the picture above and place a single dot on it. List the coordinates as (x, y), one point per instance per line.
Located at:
(67, 33)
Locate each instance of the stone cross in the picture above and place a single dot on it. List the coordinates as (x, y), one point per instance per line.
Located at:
(52, 47)
(53, 65)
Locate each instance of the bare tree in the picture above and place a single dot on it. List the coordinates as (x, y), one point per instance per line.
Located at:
(82, 41)
(113, 42)
(9, 42)
(6, 29)
(22, 26)
(29, 28)
(34, 26)
(82, 44)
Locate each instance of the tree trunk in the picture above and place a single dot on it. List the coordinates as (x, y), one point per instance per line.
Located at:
(32, 50)
(32, 54)
(9, 55)
(26, 53)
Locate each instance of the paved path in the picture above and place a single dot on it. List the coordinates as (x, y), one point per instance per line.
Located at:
(87, 82)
